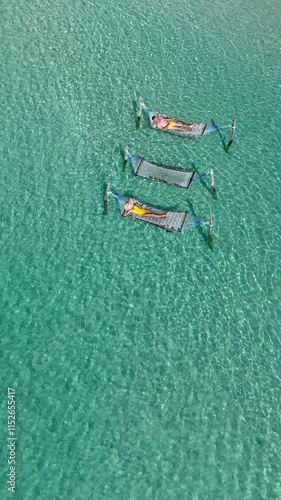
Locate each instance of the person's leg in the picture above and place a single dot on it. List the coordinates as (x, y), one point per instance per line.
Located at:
(151, 214)
(183, 126)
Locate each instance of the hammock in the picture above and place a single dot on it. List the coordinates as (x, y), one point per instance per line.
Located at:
(171, 221)
(166, 123)
(162, 173)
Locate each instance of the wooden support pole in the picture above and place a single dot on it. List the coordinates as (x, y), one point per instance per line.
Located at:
(210, 233)
(211, 172)
(107, 195)
(126, 156)
(232, 135)
(141, 105)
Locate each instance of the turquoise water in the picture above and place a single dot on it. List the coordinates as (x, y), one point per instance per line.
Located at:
(145, 364)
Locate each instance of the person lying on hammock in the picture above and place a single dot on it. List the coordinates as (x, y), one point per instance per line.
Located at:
(130, 208)
(162, 123)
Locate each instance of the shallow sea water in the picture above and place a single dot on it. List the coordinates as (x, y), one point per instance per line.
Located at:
(146, 365)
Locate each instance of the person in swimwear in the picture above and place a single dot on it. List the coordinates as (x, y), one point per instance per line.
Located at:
(162, 123)
(130, 208)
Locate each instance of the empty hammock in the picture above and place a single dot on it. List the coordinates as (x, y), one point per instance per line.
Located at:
(162, 173)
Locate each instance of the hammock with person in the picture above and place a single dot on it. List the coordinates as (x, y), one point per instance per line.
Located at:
(166, 123)
(166, 219)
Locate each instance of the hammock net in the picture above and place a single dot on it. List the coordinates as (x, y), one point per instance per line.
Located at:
(162, 173)
(171, 221)
(166, 123)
